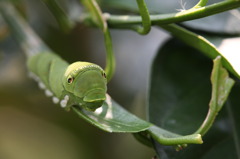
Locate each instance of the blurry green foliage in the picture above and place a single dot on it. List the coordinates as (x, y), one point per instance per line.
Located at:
(179, 91)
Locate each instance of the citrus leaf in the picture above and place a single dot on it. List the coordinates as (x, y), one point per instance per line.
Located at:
(234, 118)
(221, 87)
(221, 84)
(180, 88)
(206, 47)
(113, 118)
(180, 92)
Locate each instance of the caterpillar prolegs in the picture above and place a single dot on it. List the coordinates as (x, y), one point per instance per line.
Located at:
(80, 83)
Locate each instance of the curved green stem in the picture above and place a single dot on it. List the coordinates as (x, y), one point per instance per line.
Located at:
(100, 20)
(146, 21)
(167, 138)
(110, 58)
(59, 14)
(96, 13)
(118, 21)
(201, 3)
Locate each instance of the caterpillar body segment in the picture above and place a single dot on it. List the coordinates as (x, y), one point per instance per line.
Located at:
(80, 83)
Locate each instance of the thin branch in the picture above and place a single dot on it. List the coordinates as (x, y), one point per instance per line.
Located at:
(146, 21)
(119, 21)
(100, 20)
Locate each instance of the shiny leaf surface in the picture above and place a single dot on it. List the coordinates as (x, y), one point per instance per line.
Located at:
(113, 118)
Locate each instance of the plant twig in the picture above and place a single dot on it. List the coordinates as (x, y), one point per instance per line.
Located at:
(146, 21)
(167, 138)
(100, 20)
(119, 21)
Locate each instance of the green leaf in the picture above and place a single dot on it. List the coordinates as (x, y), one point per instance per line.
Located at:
(180, 88)
(222, 150)
(206, 47)
(221, 87)
(180, 92)
(234, 118)
(113, 118)
(221, 84)
(229, 48)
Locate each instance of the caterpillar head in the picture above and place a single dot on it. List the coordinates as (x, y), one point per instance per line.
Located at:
(86, 83)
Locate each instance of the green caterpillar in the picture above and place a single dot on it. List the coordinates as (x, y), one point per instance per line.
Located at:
(81, 83)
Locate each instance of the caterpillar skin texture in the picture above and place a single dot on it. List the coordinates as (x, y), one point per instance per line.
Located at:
(81, 83)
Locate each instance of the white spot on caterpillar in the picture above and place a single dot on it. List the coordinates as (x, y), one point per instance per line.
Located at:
(41, 85)
(48, 93)
(66, 97)
(36, 78)
(30, 74)
(55, 100)
(33, 76)
(63, 103)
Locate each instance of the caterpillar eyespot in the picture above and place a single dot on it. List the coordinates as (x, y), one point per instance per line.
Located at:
(70, 80)
(104, 75)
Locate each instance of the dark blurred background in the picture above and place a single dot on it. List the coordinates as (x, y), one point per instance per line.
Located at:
(32, 127)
